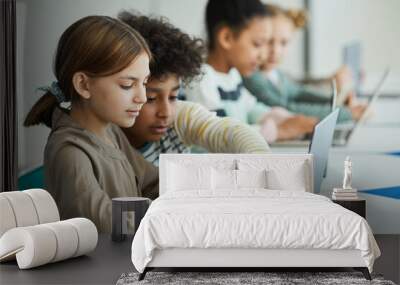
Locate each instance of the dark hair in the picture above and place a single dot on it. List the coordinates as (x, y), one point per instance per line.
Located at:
(173, 51)
(96, 45)
(235, 14)
(297, 16)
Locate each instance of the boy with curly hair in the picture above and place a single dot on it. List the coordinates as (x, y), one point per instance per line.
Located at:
(168, 125)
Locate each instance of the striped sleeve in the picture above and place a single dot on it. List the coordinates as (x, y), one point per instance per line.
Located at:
(195, 125)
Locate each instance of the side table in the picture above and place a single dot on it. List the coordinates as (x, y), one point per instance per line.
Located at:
(357, 206)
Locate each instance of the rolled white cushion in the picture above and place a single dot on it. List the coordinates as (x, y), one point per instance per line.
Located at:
(7, 218)
(33, 246)
(66, 238)
(23, 208)
(87, 235)
(45, 205)
(40, 244)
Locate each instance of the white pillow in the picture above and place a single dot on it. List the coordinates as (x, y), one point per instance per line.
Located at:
(181, 177)
(292, 179)
(282, 174)
(251, 178)
(227, 179)
(224, 179)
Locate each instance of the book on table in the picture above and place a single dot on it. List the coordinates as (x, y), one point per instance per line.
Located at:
(344, 194)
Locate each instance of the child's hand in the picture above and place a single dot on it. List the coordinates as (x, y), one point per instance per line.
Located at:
(350, 99)
(357, 111)
(344, 78)
(296, 127)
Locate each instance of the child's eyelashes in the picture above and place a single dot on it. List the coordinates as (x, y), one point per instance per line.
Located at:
(126, 87)
(257, 44)
(170, 98)
(130, 86)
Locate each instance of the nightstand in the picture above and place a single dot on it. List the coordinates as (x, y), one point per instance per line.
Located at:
(357, 206)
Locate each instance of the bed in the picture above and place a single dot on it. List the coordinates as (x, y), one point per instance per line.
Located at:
(247, 211)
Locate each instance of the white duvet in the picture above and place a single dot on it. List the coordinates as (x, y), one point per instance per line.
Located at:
(253, 218)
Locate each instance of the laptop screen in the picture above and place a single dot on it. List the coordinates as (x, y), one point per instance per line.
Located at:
(352, 58)
(320, 145)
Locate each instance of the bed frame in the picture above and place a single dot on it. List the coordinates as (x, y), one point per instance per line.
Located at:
(250, 259)
(234, 259)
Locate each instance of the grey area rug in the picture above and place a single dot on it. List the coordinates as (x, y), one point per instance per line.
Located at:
(229, 278)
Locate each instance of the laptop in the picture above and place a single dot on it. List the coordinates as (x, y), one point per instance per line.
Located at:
(352, 53)
(305, 142)
(319, 147)
(344, 131)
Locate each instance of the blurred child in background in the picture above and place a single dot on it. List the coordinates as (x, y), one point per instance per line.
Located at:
(237, 34)
(273, 87)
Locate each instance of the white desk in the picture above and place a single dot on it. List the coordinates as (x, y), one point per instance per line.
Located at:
(372, 166)
(386, 112)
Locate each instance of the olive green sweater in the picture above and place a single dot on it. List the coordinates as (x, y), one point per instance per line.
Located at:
(293, 96)
(83, 173)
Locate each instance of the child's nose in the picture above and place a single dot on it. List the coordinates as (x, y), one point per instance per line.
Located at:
(262, 55)
(140, 96)
(164, 110)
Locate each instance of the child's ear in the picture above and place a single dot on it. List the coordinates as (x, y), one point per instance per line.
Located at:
(225, 37)
(81, 84)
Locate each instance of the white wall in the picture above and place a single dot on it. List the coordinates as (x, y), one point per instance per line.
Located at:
(187, 15)
(374, 22)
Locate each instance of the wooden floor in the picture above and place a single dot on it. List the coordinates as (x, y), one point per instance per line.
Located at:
(389, 262)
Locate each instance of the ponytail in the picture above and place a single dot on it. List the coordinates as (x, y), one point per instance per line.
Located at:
(298, 17)
(42, 111)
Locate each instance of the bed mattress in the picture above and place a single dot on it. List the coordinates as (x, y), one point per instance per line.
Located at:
(250, 219)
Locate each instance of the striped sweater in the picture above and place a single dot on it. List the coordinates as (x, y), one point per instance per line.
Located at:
(194, 125)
